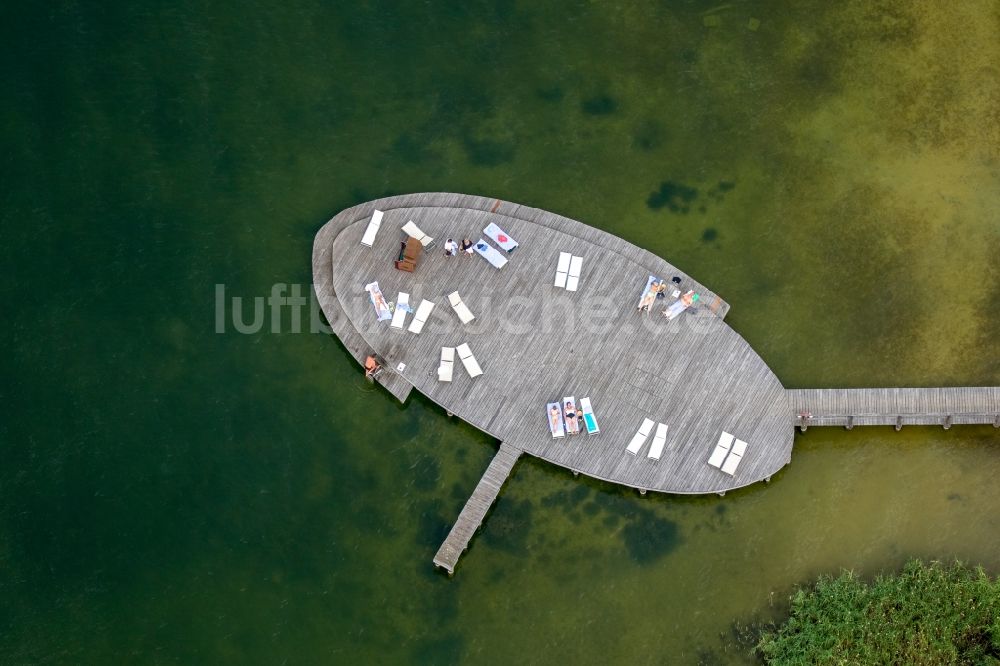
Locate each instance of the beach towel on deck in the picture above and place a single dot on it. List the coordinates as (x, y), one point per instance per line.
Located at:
(500, 237)
(382, 311)
(490, 254)
(588, 416)
(680, 306)
(645, 292)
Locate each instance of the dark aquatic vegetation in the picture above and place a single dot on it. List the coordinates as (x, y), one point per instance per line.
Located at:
(412, 148)
(650, 538)
(550, 94)
(488, 152)
(710, 234)
(599, 105)
(675, 197)
(650, 135)
(508, 526)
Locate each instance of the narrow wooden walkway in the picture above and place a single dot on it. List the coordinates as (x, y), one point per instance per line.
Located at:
(895, 406)
(476, 507)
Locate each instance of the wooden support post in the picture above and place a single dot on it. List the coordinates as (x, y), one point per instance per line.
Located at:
(767, 479)
(850, 423)
(576, 473)
(947, 422)
(996, 421)
(899, 423)
(642, 491)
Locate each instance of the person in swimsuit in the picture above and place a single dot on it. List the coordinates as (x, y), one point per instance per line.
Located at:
(571, 425)
(647, 299)
(371, 366)
(554, 424)
(466, 246)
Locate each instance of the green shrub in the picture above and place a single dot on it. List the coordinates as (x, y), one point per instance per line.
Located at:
(927, 614)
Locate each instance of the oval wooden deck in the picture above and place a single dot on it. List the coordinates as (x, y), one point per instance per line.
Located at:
(537, 343)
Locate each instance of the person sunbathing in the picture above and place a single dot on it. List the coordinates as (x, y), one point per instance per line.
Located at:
(680, 305)
(647, 299)
(371, 366)
(571, 424)
(554, 419)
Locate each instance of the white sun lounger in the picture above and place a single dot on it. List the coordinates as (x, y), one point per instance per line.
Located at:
(562, 270)
(420, 316)
(372, 228)
(574, 273)
(588, 417)
(490, 254)
(413, 231)
(447, 366)
(460, 308)
(656, 448)
(735, 456)
(640, 437)
(402, 307)
(721, 449)
(555, 418)
(500, 237)
(469, 361)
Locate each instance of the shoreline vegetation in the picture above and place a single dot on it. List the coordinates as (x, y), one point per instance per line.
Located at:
(926, 614)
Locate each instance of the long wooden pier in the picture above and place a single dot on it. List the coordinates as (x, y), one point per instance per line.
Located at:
(895, 406)
(476, 507)
(538, 343)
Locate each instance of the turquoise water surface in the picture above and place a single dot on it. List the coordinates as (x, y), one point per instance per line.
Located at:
(170, 494)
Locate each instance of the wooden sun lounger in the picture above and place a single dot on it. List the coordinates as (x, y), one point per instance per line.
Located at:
(447, 367)
(656, 448)
(468, 360)
(463, 312)
(588, 417)
(574, 273)
(735, 456)
(413, 231)
(721, 449)
(640, 437)
(369, 237)
(420, 316)
(399, 314)
(562, 270)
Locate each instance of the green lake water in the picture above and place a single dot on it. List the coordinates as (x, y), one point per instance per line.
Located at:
(169, 494)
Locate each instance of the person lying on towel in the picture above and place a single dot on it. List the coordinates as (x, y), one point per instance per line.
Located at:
(680, 305)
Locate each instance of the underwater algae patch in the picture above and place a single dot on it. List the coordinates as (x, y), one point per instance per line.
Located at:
(599, 105)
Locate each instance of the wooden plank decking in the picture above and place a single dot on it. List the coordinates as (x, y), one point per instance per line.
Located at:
(336, 317)
(537, 343)
(895, 406)
(476, 507)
